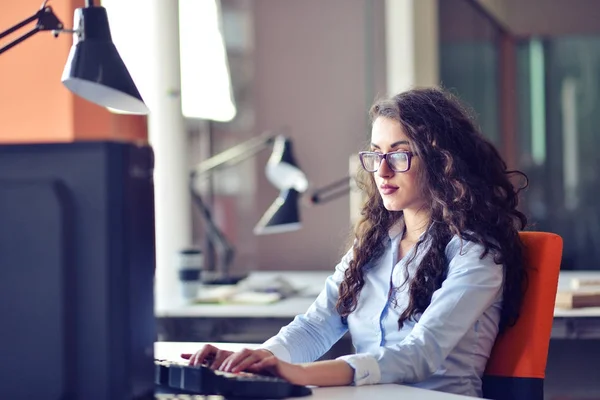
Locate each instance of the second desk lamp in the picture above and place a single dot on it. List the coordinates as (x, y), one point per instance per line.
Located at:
(285, 208)
(281, 170)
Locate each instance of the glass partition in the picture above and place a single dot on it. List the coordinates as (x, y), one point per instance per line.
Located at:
(469, 60)
(559, 115)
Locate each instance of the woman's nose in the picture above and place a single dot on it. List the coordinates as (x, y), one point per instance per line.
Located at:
(384, 170)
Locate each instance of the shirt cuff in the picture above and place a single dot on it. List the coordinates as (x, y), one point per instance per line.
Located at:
(366, 369)
(277, 349)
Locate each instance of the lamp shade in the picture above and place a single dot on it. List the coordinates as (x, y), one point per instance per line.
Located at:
(282, 216)
(94, 69)
(282, 170)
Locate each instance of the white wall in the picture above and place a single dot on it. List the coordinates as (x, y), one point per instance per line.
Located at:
(315, 73)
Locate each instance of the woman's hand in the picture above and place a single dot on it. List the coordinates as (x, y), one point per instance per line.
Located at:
(293, 373)
(208, 355)
(263, 362)
(241, 360)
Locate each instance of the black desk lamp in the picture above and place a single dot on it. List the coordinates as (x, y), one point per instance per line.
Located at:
(281, 170)
(94, 69)
(284, 216)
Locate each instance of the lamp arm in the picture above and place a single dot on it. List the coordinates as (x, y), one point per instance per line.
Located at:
(19, 25)
(331, 191)
(47, 21)
(234, 154)
(19, 40)
(224, 249)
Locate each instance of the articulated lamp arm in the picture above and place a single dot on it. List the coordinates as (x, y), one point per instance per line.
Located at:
(46, 21)
(223, 247)
(234, 154)
(332, 191)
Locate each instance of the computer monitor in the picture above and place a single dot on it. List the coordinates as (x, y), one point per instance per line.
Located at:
(76, 271)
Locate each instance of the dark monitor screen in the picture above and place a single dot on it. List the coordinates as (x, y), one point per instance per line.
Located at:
(76, 271)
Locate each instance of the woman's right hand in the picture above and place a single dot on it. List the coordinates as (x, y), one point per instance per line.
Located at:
(244, 359)
(208, 355)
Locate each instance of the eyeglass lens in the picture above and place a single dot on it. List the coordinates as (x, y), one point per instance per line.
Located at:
(397, 161)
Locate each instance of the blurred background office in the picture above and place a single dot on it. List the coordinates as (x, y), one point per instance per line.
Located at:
(217, 73)
(529, 70)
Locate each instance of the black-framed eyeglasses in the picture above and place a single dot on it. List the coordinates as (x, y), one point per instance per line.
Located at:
(398, 161)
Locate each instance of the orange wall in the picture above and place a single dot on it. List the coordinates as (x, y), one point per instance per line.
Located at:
(34, 104)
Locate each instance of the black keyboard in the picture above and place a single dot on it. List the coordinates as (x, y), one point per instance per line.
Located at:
(178, 378)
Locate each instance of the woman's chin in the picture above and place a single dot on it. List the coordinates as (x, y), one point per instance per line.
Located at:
(391, 205)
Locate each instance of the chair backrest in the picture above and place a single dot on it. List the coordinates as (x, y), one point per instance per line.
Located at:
(517, 364)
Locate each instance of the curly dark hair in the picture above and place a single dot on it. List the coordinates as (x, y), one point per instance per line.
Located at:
(469, 192)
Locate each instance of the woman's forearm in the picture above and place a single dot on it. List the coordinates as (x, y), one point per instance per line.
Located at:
(329, 373)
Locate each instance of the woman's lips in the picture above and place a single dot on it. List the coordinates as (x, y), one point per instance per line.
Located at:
(386, 189)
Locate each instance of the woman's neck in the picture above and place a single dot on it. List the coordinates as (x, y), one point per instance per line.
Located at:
(415, 223)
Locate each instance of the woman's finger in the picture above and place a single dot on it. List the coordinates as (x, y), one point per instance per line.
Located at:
(219, 358)
(243, 364)
(206, 352)
(252, 357)
(234, 359)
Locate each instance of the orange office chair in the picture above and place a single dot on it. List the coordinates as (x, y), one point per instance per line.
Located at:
(517, 364)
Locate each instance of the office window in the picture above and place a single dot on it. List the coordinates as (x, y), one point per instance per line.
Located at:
(559, 116)
(469, 61)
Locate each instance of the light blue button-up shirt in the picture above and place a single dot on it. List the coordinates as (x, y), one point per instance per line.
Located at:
(446, 349)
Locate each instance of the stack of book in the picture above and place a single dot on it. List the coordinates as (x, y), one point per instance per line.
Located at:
(582, 293)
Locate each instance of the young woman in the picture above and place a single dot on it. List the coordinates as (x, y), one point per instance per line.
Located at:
(435, 270)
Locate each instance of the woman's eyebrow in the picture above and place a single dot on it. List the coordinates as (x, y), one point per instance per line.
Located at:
(399, 142)
(395, 144)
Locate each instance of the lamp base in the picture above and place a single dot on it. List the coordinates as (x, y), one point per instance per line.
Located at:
(216, 279)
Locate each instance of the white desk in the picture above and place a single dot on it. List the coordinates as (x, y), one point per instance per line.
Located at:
(564, 282)
(578, 323)
(172, 350)
(568, 324)
(308, 283)
(242, 322)
(256, 323)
